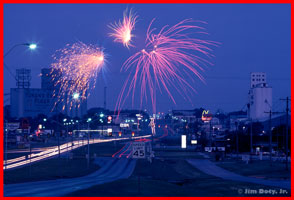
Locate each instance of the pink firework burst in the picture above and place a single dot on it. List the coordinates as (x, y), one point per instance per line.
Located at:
(122, 31)
(169, 57)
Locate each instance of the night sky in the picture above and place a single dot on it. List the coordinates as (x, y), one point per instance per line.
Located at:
(255, 38)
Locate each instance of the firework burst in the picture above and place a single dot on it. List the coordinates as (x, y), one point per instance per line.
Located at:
(74, 68)
(122, 31)
(169, 57)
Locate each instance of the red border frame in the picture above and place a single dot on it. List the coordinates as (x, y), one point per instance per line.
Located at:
(130, 2)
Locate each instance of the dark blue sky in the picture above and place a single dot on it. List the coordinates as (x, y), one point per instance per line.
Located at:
(254, 38)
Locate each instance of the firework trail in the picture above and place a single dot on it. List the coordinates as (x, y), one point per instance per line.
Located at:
(169, 56)
(74, 68)
(122, 31)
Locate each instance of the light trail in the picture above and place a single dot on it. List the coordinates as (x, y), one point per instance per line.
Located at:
(127, 150)
(130, 144)
(119, 150)
(34, 157)
(163, 135)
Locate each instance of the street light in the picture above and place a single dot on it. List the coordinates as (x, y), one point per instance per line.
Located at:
(76, 95)
(25, 44)
(31, 46)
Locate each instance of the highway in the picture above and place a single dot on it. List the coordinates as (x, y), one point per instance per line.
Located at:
(125, 151)
(53, 151)
(111, 169)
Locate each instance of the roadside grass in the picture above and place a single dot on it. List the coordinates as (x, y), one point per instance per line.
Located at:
(106, 149)
(63, 167)
(171, 177)
(178, 154)
(257, 169)
(50, 169)
(15, 155)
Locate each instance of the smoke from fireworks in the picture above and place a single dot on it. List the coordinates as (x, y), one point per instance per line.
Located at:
(169, 56)
(122, 31)
(74, 68)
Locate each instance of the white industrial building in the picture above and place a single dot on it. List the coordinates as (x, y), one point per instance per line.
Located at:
(29, 102)
(260, 97)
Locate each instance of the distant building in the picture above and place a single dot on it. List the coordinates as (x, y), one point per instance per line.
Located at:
(257, 78)
(213, 124)
(131, 119)
(30, 102)
(277, 120)
(184, 116)
(260, 97)
(6, 111)
(78, 106)
(235, 118)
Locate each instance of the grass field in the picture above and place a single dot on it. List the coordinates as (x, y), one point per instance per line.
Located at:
(257, 168)
(178, 154)
(63, 167)
(170, 177)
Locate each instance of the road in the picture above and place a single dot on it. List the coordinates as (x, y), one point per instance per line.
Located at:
(111, 169)
(53, 151)
(125, 151)
(210, 168)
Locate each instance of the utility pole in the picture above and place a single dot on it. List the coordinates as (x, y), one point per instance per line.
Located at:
(270, 132)
(210, 134)
(104, 98)
(287, 126)
(30, 159)
(58, 136)
(6, 142)
(88, 163)
(79, 134)
(152, 125)
(72, 138)
(251, 137)
(58, 133)
(67, 142)
(237, 140)
(88, 157)
(270, 135)
(249, 113)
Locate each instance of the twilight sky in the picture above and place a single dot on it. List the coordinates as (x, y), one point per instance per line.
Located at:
(254, 37)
